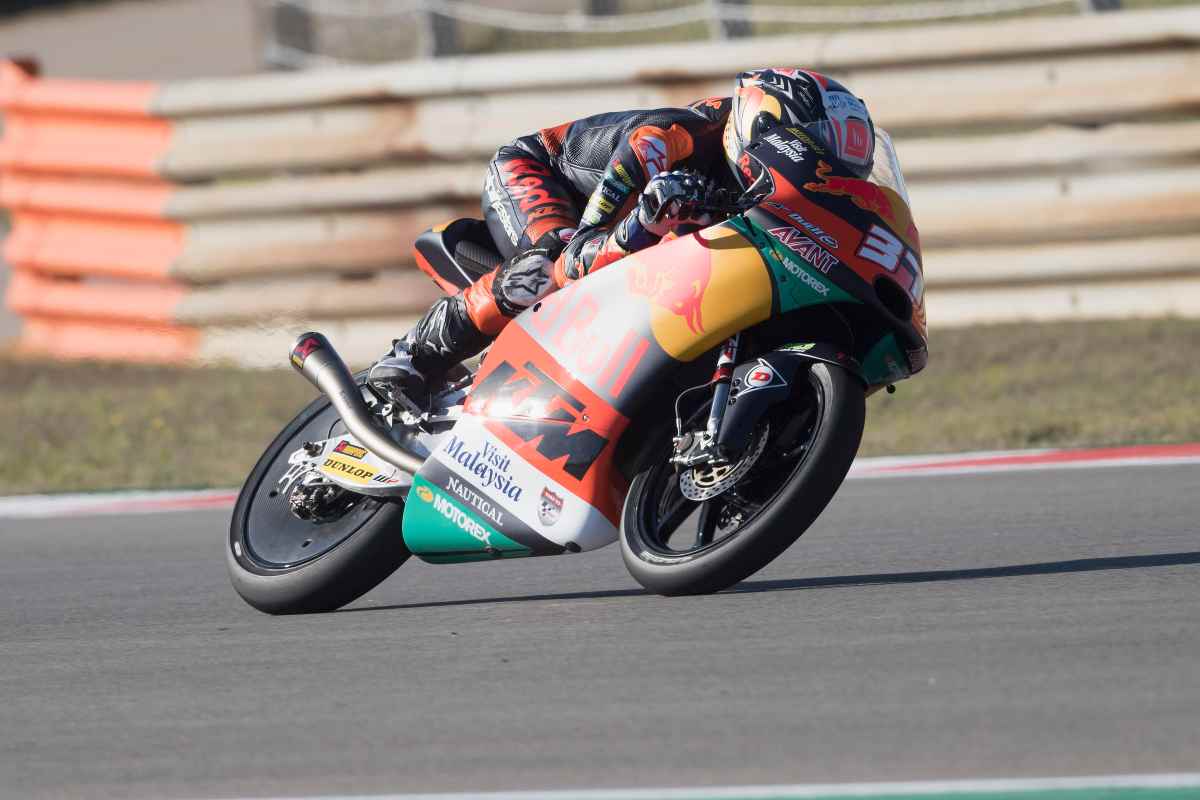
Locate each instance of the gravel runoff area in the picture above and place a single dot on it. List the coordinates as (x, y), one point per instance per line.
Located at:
(87, 426)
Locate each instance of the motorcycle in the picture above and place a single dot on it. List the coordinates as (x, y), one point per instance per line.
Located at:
(700, 401)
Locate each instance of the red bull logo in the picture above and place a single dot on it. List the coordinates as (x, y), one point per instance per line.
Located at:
(879, 200)
(678, 287)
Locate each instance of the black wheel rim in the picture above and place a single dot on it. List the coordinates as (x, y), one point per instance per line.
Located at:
(272, 537)
(673, 526)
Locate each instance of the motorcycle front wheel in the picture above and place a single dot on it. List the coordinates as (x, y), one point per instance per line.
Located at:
(281, 564)
(797, 459)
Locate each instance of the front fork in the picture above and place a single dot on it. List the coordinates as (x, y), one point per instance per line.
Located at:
(693, 450)
(722, 379)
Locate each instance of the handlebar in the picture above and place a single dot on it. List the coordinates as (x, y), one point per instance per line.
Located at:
(724, 202)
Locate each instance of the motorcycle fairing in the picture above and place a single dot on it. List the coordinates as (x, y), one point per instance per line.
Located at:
(440, 530)
(860, 231)
(801, 283)
(621, 326)
(475, 498)
(344, 461)
(556, 390)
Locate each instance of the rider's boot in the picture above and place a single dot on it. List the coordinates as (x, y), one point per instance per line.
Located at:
(445, 336)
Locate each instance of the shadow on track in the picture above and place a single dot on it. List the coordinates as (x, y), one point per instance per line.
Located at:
(1012, 571)
(833, 582)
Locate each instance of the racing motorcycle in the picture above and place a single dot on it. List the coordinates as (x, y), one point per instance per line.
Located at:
(700, 401)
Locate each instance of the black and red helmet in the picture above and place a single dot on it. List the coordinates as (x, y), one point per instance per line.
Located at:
(822, 107)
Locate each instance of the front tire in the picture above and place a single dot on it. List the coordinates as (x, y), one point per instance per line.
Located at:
(785, 511)
(280, 564)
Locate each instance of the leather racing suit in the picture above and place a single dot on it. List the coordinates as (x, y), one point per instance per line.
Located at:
(533, 192)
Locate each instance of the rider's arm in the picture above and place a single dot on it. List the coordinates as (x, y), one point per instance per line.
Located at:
(610, 229)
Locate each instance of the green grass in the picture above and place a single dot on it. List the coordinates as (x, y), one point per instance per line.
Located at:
(1066, 384)
(86, 426)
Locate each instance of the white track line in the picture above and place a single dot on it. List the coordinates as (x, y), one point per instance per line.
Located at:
(33, 506)
(981, 463)
(917, 466)
(1013, 786)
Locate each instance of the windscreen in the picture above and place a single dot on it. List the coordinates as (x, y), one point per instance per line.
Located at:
(886, 171)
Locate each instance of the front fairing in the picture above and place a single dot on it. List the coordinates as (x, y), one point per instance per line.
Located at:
(859, 235)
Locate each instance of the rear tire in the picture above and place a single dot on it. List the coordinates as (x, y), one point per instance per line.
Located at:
(840, 417)
(265, 553)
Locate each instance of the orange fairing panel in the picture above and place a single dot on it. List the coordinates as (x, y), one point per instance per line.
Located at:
(561, 383)
(551, 420)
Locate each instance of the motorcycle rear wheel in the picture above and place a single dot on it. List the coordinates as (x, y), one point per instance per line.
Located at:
(280, 564)
(769, 507)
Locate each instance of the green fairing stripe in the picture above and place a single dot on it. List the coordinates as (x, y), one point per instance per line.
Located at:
(885, 362)
(798, 282)
(440, 530)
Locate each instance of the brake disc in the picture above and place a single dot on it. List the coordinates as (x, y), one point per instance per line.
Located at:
(705, 483)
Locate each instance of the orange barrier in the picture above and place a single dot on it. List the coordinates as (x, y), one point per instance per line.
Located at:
(32, 295)
(20, 91)
(96, 339)
(85, 195)
(68, 245)
(187, 220)
(80, 126)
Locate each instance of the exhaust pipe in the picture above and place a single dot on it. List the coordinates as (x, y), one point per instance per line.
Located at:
(314, 358)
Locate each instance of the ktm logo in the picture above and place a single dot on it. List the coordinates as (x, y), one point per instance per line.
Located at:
(534, 407)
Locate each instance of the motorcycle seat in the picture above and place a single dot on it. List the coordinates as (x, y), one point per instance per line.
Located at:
(456, 254)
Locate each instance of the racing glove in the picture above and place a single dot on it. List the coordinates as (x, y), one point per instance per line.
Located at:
(670, 200)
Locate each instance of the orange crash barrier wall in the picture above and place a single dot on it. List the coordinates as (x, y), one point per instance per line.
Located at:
(1052, 164)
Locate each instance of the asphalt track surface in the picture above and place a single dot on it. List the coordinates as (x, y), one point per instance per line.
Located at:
(1012, 625)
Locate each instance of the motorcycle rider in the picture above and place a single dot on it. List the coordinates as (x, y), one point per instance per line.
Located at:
(643, 174)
